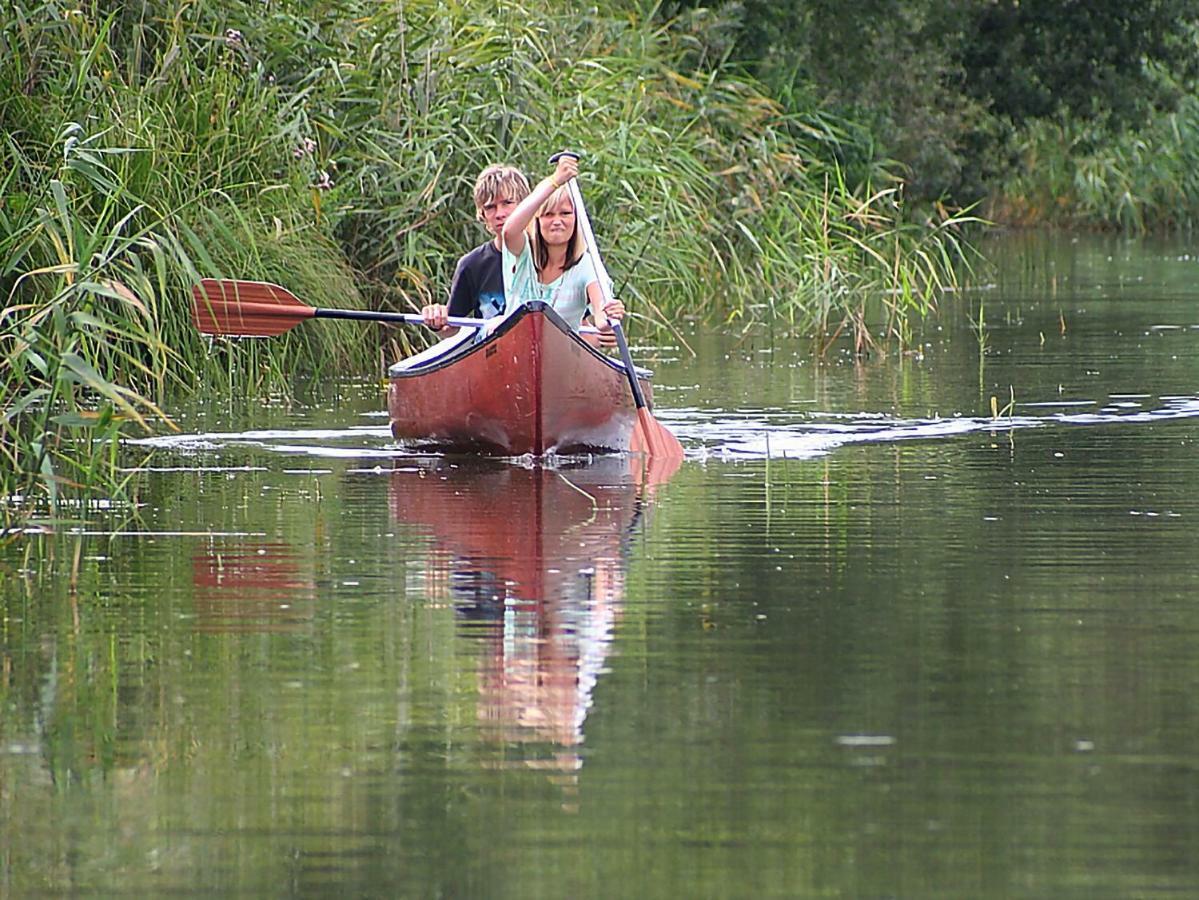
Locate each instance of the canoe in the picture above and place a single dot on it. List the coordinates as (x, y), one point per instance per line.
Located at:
(529, 385)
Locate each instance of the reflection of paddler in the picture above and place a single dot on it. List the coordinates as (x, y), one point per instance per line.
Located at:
(537, 560)
(252, 586)
(546, 658)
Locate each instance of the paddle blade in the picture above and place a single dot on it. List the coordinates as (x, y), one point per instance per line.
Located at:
(654, 439)
(246, 308)
(650, 471)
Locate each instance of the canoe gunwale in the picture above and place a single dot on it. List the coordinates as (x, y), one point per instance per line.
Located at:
(462, 350)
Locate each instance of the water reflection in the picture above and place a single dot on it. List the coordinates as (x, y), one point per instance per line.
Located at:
(253, 586)
(533, 561)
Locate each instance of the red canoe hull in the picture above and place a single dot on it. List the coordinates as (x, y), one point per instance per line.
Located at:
(533, 386)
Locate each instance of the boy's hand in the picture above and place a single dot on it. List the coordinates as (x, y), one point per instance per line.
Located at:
(435, 315)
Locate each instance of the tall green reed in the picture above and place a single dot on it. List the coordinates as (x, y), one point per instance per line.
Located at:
(76, 331)
(115, 200)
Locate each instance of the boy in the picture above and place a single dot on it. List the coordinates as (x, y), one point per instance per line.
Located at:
(478, 285)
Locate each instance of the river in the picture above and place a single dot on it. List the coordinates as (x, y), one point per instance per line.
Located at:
(922, 625)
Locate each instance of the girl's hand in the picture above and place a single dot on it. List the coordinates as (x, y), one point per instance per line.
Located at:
(567, 168)
(614, 309)
(513, 231)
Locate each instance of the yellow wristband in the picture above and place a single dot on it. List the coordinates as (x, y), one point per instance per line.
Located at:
(554, 182)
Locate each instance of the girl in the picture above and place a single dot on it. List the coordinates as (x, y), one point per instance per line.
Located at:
(548, 261)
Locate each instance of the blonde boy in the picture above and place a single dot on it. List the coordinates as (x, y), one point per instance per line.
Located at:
(478, 285)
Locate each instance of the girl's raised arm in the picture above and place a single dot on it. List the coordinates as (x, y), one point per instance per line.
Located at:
(521, 217)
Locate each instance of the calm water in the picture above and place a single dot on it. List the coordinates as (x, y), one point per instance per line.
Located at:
(867, 641)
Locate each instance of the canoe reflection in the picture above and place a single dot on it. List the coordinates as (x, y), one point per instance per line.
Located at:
(252, 586)
(533, 560)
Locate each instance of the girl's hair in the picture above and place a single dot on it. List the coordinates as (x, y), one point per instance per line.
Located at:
(499, 181)
(574, 248)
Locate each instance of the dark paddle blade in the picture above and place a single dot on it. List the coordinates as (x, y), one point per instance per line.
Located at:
(246, 308)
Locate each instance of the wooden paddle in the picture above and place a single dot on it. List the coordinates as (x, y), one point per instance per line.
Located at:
(653, 437)
(261, 309)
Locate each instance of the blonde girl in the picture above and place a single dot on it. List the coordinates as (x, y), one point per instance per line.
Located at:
(544, 257)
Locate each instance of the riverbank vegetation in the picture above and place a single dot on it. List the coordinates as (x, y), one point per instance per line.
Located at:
(1060, 113)
(331, 147)
(800, 163)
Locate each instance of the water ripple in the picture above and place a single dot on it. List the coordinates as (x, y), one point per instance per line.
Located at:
(346, 443)
(727, 434)
(758, 434)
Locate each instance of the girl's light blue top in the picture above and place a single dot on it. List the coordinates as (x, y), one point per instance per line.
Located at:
(567, 293)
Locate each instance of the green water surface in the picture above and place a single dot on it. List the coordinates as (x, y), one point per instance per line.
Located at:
(867, 641)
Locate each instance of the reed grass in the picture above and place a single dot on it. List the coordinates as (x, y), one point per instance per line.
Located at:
(332, 147)
(1087, 175)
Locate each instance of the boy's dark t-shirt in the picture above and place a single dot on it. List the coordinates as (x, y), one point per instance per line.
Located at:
(478, 285)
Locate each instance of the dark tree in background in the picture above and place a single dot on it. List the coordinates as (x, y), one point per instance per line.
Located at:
(1095, 60)
(942, 84)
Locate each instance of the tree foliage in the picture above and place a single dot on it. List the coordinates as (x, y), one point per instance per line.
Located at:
(1094, 60)
(945, 85)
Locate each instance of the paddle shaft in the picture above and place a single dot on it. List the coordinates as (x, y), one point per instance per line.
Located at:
(370, 315)
(601, 274)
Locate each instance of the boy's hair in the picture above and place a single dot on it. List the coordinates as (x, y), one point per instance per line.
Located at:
(498, 181)
(575, 250)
